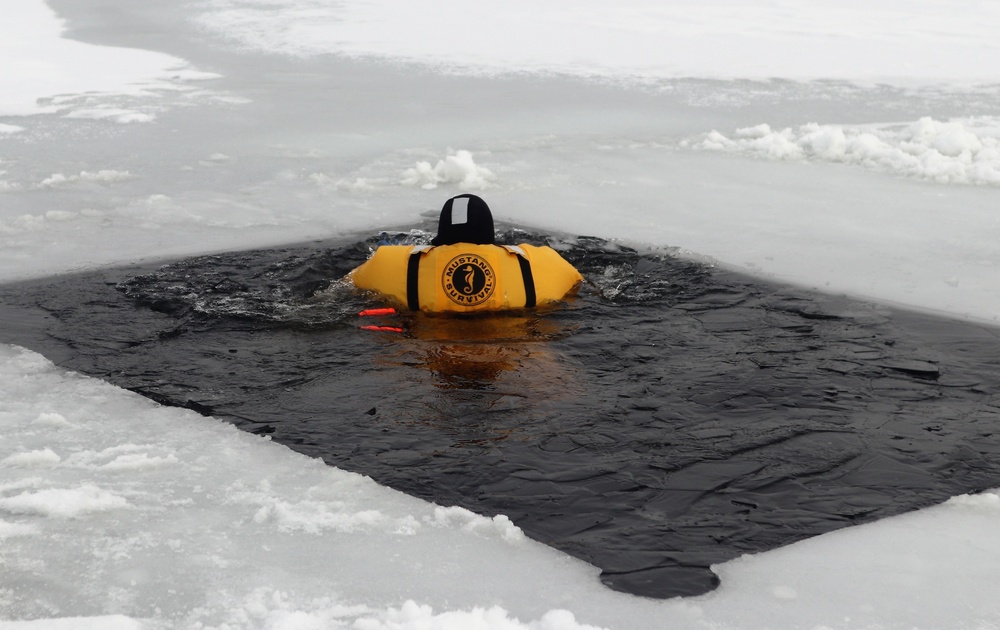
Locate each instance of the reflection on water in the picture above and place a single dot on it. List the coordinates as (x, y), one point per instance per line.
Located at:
(471, 366)
(486, 371)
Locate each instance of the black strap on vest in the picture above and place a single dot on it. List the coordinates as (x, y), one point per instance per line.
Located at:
(413, 279)
(529, 281)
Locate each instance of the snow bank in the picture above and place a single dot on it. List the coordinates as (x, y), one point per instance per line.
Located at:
(959, 151)
(56, 75)
(118, 513)
(105, 622)
(114, 114)
(457, 170)
(457, 167)
(162, 522)
(907, 42)
(23, 224)
(63, 502)
(43, 457)
(892, 566)
(265, 608)
(103, 176)
(499, 526)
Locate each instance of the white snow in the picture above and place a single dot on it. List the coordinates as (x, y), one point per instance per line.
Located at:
(952, 152)
(62, 502)
(115, 114)
(893, 41)
(457, 167)
(104, 622)
(49, 67)
(104, 176)
(44, 457)
(279, 536)
(118, 513)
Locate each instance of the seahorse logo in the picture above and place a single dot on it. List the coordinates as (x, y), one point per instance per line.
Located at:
(468, 280)
(470, 277)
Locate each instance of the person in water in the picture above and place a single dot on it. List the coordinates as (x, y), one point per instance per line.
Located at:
(464, 270)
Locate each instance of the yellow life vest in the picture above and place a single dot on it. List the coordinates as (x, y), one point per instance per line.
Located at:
(467, 278)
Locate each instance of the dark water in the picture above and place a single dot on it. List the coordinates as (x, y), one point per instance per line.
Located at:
(671, 417)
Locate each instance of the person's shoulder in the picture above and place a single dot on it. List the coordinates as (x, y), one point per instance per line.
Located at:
(385, 249)
(385, 259)
(540, 252)
(544, 257)
(393, 252)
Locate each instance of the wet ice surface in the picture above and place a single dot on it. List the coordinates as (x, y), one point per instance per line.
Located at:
(671, 417)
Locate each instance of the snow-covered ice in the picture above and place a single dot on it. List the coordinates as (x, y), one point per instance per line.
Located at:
(111, 504)
(954, 152)
(45, 73)
(890, 42)
(844, 146)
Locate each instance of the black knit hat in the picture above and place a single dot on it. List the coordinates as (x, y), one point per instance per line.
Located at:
(465, 219)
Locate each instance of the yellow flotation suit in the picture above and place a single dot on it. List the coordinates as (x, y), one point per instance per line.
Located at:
(467, 278)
